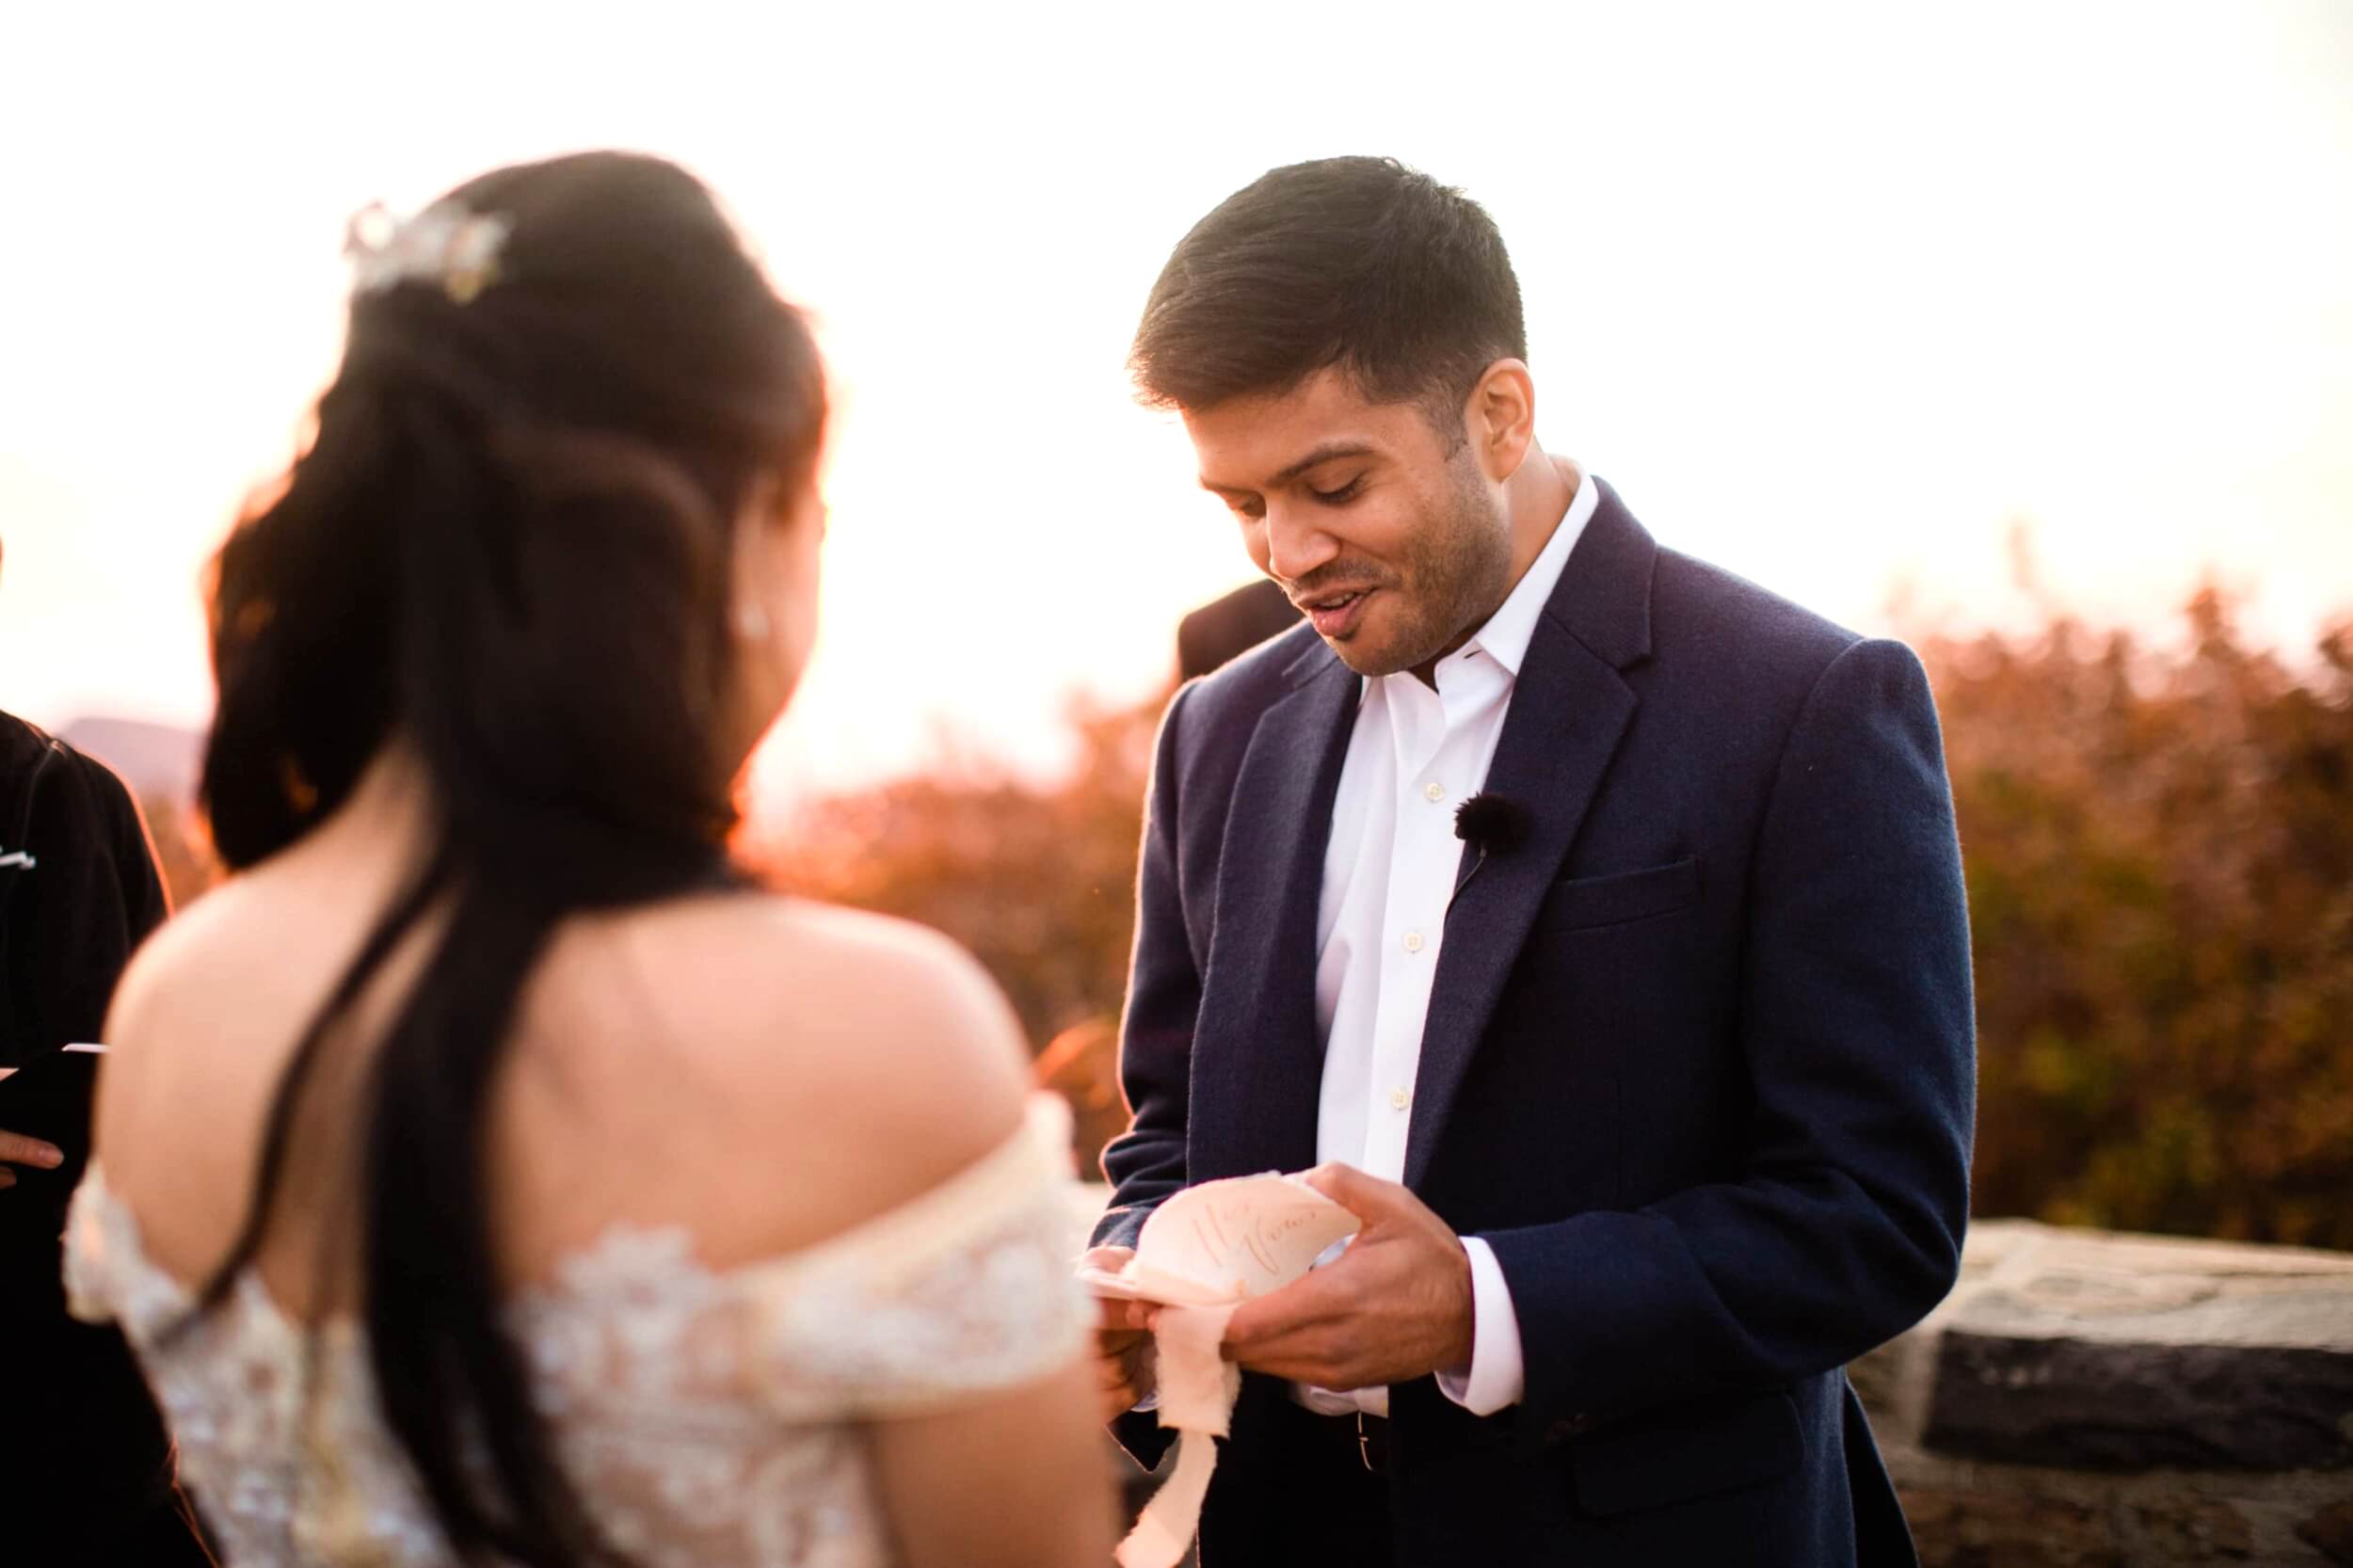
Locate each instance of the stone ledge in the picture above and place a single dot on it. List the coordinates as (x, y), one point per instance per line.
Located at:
(2098, 1351)
(2086, 1398)
(1970, 1513)
(2133, 1406)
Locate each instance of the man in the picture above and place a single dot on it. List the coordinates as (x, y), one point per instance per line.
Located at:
(92, 1481)
(1653, 1091)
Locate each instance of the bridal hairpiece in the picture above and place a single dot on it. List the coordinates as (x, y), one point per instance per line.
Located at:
(444, 245)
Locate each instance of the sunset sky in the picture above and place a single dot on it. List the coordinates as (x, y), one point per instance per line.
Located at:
(1833, 295)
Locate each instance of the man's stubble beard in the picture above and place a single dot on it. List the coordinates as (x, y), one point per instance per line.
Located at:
(1460, 566)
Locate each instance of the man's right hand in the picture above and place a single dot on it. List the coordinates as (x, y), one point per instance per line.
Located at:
(1123, 1345)
(15, 1148)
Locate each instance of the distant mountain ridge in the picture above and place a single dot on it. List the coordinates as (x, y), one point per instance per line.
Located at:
(156, 760)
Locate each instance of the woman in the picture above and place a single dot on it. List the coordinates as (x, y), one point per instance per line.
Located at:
(487, 1172)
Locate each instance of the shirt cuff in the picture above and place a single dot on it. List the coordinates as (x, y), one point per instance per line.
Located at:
(1497, 1376)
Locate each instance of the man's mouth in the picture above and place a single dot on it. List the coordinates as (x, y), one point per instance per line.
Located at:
(1336, 613)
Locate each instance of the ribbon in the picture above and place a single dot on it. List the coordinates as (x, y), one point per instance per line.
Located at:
(1198, 1386)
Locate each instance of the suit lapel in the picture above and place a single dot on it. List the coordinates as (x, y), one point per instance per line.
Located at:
(1569, 709)
(1257, 1066)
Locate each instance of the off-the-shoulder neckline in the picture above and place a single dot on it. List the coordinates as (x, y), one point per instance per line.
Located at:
(901, 1237)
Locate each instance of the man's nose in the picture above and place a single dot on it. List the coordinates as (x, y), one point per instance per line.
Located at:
(1296, 544)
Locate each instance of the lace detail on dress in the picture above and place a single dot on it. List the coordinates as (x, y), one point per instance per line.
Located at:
(708, 1416)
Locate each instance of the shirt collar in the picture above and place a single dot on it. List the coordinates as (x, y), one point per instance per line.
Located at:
(1509, 631)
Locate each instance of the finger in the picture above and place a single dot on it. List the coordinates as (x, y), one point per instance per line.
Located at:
(1304, 1354)
(1367, 1197)
(1305, 1302)
(29, 1151)
(1315, 1367)
(1122, 1384)
(1278, 1348)
(7, 1178)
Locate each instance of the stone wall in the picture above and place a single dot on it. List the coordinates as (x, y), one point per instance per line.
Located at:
(2091, 1400)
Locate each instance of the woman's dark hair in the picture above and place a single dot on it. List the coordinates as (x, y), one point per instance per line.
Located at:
(507, 544)
(1359, 262)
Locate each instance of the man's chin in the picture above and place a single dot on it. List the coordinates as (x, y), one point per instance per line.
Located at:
(1373, 648)
(1367, 659)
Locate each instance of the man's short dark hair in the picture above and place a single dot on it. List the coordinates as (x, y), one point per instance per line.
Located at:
(1359, 262)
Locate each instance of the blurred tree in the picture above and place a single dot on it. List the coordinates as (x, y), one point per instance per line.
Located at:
(2160, 858)
(183, 851)
(1038, 882)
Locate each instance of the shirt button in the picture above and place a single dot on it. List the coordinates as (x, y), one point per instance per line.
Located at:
(1397, 1098)
(1413, 941)
(1434, 790)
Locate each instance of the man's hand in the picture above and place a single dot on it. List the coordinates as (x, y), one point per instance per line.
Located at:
(1123, 1343)
(17, 1148)
(1394, 1306)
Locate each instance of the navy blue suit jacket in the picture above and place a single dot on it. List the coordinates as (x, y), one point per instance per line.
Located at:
(1699, 1061)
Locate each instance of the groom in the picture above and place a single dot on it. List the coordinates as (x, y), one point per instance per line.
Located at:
(1591, 919)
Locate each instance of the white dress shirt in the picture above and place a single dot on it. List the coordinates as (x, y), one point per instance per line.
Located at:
(1415, 755)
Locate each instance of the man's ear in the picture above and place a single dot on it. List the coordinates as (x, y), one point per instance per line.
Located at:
(1500, 418)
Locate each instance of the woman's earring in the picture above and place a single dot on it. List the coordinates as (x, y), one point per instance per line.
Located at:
(751, 622)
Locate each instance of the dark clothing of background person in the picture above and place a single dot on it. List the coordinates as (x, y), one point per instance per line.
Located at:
(86, 1470)
(1228, 626)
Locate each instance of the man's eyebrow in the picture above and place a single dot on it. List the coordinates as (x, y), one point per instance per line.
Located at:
(1323, 453)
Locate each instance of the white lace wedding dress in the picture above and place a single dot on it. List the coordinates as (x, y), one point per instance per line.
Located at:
(708, 1416)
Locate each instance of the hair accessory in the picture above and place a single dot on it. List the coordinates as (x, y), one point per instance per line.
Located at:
(444, 245)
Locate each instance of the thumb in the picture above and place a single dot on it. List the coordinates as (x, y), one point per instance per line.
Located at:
(1367, 1197)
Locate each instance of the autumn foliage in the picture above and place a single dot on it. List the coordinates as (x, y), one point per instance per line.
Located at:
(2159, 849)
(2159, 844)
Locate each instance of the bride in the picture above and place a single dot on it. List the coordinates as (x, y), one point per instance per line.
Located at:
(487, 1172)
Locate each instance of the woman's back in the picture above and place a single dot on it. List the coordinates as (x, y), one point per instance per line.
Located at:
(487, 1172)
(762, 1183)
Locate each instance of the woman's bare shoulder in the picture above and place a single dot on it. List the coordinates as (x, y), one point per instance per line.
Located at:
(737, 971)
(203, 1014)
(177, 951)
(264, 940)
(871, 1048)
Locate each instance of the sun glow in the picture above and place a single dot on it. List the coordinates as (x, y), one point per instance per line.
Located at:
(1832, 300)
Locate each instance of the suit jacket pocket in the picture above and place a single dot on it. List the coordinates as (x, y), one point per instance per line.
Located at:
(1577, 902)
(1689, 1454)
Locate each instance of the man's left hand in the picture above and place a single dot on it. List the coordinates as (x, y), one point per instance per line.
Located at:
(1394, 1306)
